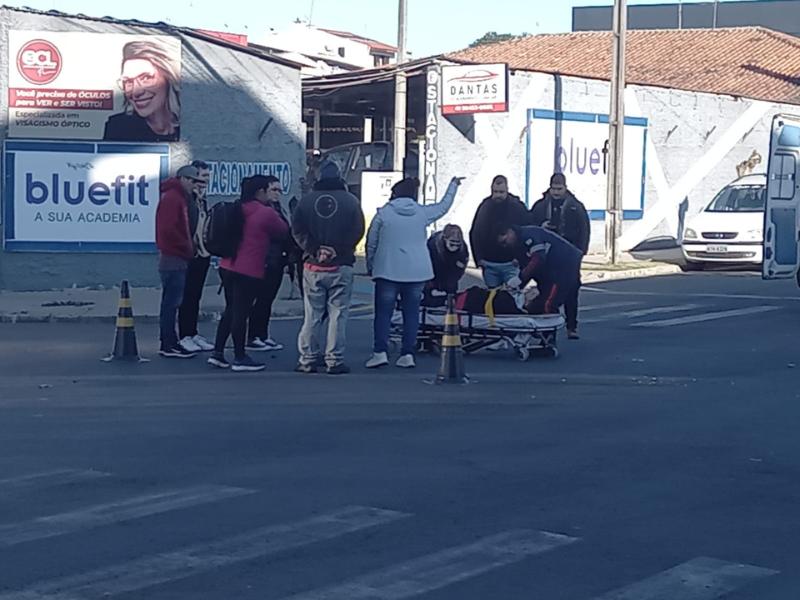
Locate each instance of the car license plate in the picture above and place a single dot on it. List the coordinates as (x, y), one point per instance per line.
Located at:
(717, 249)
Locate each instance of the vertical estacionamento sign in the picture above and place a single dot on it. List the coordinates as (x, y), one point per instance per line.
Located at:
(82, 196)
(94, 86)
(470, 89)
(578, 144)
(431, 158)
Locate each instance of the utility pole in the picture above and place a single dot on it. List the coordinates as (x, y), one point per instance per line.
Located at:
(616, 123)
(680, 14)
(400, 87)
(716, 8)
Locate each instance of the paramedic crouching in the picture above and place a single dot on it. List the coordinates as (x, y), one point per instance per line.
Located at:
(550, 260)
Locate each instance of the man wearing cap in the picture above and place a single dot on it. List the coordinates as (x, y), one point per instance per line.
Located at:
(327, 225)
(197, 271)
(175, 250)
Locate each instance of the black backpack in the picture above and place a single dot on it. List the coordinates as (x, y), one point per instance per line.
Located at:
(224, 229)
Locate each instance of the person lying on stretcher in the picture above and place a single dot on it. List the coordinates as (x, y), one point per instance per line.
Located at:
(548, 259)
(449, 257)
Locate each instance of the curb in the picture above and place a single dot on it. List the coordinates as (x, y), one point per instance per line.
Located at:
(205, 317)
(591, 276)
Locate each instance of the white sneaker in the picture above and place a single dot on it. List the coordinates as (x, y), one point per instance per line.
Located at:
(272, 345)
(379, 359)
(203, 343)
(406, 361)
(189, 345)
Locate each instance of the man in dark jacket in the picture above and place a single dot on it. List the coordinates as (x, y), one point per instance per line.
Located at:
(327, 225)
(561, 212)
(547, 258)
(496, 213)
(449, 256)
(175, 247)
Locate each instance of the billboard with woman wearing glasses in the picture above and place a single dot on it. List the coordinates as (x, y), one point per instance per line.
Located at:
(94, 86)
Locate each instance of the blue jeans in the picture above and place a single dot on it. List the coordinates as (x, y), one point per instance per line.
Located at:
(497, 274)
(172, 285)
(386, 294)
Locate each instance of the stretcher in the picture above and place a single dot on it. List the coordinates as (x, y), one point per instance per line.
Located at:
(526, 335)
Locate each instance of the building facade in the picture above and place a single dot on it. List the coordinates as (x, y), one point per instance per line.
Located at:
(698, 109)
(698, 106)
(81, 167)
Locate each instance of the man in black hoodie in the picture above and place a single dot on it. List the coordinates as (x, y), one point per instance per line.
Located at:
(496, 213)
(562, 213)
(327, 225)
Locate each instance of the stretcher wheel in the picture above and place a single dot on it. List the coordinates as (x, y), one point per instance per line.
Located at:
(425, 346)
(523, 354)
(546, 352)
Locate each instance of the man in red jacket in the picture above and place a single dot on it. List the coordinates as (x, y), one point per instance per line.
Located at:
(175, 250)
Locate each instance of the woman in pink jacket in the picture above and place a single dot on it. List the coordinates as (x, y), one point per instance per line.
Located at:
(242, 275)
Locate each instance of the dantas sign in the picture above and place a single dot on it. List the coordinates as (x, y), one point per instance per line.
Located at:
(470, 89)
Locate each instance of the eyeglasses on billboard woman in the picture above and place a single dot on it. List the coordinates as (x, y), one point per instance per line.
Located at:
(150, 83)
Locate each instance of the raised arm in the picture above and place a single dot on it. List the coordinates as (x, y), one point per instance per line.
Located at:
(434, 212)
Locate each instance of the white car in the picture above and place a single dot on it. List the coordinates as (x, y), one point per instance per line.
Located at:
(731, 228)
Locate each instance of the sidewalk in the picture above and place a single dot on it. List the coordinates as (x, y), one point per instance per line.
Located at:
(596, 270)
(92, 305)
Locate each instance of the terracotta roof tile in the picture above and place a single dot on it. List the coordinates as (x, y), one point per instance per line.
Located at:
(751, 62)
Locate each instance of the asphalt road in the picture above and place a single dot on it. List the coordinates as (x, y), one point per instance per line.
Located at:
(658, 458)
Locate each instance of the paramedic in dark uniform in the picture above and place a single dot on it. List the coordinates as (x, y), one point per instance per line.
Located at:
(550, 260)
(562, 213)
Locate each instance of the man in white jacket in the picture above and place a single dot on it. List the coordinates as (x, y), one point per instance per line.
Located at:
(399, 262)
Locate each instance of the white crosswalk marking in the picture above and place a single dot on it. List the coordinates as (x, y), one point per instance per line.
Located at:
(610, 305)
(37, 481)
(698, 579)
(633, 314)
(711, 316)
(438, 570)
(172, 566)
(115, 512)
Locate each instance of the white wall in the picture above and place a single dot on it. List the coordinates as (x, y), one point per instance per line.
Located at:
(695, 142)
(310, 41)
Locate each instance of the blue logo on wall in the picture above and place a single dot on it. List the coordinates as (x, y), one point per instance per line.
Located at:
(126, 189)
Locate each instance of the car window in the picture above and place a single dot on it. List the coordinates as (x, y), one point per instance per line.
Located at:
(340, 157)
(370, 157)
(739, 199)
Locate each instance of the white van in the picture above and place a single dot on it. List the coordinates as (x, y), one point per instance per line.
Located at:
(782, 212)
(730, 229)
